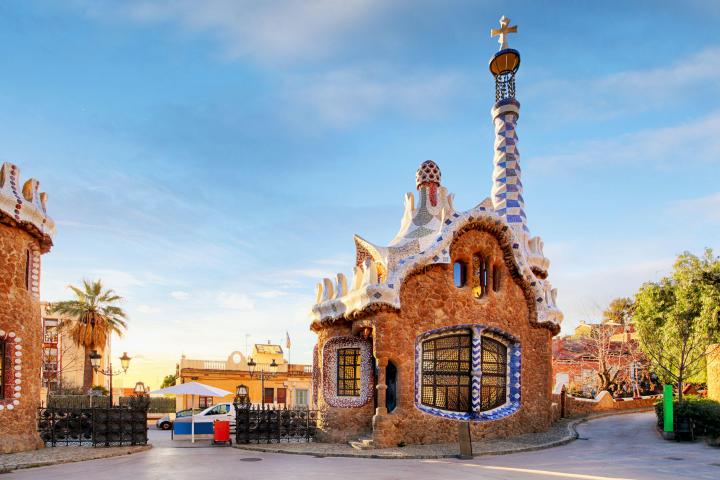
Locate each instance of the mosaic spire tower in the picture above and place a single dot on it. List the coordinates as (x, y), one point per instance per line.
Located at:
(507, 187)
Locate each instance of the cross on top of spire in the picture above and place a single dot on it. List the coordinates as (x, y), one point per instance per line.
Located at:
(503, 31)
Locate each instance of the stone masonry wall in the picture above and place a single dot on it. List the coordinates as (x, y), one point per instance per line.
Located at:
(20, 315)
(429, 301)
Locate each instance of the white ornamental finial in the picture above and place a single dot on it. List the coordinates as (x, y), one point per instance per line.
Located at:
(503, 31)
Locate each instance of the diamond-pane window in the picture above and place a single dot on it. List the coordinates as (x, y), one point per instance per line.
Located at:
(348, 372)
(447, 372)
(493, 383)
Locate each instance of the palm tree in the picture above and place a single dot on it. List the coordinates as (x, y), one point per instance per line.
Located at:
(92, 318)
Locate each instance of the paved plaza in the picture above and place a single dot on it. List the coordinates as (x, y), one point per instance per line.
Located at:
(617, 447)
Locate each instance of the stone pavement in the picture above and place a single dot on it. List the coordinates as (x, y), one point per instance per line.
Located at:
(53, 456)
(621, 447)
(562, 432)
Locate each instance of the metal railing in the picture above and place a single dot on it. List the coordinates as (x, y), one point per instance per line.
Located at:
(255, 424)
(98, 426)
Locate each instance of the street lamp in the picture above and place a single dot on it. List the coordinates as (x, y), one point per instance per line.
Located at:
(273, 370)
(139, 389)
(109, 372)
(241, 395)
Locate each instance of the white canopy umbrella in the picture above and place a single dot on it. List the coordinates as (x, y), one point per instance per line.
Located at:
(193, 388)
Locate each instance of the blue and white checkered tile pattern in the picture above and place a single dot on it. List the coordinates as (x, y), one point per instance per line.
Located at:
(507, 187)
(514, 355)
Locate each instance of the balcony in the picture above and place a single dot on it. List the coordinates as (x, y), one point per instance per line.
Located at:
(196, 364)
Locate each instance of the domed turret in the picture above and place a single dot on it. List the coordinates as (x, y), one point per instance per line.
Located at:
(428, 172)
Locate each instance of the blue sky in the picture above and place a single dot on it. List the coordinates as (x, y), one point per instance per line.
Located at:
(212, 160)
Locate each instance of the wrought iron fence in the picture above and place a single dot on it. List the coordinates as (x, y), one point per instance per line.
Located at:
(98, 426)
(255, 424)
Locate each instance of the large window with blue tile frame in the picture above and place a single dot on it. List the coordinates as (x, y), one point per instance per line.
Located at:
(446, 372)
(468, 373)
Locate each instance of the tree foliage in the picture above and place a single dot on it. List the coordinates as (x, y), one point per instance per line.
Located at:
(620, 310)
(678, 317)
(168, 381)
(91, 317)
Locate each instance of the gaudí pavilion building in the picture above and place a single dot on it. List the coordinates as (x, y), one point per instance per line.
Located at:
(452, 320)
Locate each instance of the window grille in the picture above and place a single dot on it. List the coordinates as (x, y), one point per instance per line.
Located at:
(446, 372)
(493, 383)
(348, 372)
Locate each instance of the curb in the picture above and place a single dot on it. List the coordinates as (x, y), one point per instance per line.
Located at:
(571, 434)
(47, 463)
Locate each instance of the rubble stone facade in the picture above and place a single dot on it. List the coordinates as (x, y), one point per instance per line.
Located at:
(25, 233)
(457, 311)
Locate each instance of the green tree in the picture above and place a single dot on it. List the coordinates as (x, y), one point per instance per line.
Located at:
(92, 316)
(168, 381)
(678, 317)
(619, 311)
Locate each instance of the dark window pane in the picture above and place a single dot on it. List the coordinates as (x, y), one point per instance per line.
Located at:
(348, 372)
(493, 385)
(446, 372)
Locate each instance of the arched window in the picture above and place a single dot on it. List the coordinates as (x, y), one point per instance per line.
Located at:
(496, 278)
(460, 273)
(447, 372)
(480, 275)
(493, 382)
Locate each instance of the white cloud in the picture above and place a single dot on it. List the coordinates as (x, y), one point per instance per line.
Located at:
(268, 294)
(691, 79)
(267, 30)
(694, 142)
(148, 309)
(180, 295)
(345, 97)
(704, 208)
(235, 301)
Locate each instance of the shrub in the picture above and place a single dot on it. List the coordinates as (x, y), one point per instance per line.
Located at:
(705, 414)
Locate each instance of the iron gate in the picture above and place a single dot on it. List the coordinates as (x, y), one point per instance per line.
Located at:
(255, 424)
(97, 426)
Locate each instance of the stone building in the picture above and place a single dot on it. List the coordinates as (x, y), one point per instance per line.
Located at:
(452, 320)
(25, 234)
(287, 386)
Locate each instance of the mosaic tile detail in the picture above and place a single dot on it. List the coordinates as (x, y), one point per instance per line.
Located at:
(513, 401)
(13, 373)
(329, 372)
(24, 202)
(315, 375)
(507, 188)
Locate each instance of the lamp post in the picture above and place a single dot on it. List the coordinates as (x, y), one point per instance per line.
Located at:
(241, 396)
(109, 372)
(140, 389)
(273, 369)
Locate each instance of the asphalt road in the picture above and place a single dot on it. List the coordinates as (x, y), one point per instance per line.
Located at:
(610, 448)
